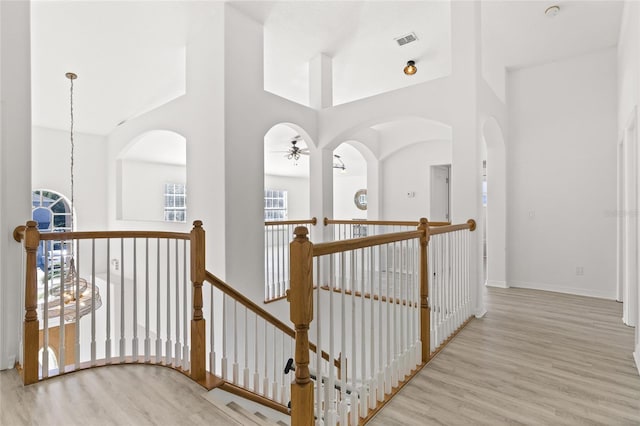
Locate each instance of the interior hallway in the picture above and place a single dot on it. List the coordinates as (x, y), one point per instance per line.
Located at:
(536, 358)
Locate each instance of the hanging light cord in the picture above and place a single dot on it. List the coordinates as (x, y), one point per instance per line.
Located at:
(72, 153)
(71, 76)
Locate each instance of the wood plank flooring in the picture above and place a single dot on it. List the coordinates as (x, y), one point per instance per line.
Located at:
(537, 358)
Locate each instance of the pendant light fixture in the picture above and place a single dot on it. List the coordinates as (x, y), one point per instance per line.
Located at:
(79, 297)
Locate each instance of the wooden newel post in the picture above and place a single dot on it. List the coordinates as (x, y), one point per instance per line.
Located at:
(30, 339)
(300, 298)
(198, 328)
(425, 309)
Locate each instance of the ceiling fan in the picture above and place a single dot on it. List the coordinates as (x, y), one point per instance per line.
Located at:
(294, 152)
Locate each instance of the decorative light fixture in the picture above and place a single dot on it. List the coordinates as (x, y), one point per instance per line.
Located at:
(410, 69)
(77, 295)
(294, 151)
(339, 164)
(552, 11)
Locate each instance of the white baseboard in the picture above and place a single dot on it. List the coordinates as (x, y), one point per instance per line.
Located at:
(563, 289)
(636, 357)
(481, 313)
(499, 284)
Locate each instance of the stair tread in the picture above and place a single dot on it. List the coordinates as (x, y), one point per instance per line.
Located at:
(256, 418)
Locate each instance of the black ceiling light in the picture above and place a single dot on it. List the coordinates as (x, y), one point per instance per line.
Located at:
(410, 69)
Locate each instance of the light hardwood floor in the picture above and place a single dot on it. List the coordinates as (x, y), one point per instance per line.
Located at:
(536, 358)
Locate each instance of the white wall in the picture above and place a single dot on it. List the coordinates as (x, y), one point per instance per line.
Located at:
(15, 166)
(344, 190)
(143, 188)
(409, 170)
(561, 186)
(297, 194)
(50, 161)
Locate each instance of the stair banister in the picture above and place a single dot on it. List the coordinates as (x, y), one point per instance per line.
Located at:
(198, 324)
(300, 298)
(425, 310)
(31, 324)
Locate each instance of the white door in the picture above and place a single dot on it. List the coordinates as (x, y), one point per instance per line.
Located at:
(440, 193)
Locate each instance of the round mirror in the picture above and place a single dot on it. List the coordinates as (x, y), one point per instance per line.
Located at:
(360, 199)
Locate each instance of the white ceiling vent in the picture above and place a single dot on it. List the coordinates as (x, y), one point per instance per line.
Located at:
(406, 39)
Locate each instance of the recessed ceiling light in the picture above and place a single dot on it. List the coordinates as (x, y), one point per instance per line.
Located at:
(552, 11)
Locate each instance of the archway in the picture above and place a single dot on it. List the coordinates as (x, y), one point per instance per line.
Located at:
(496, 203)
(152, 178)
(349, 180)
(286, 173)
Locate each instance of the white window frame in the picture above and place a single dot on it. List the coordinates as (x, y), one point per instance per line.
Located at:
(175, 211)
(276, 206)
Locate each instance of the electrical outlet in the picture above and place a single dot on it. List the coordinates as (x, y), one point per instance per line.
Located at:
(116, 264)
(411, 194)
(579, 270)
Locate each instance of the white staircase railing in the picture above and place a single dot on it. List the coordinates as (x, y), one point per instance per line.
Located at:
(277, 236)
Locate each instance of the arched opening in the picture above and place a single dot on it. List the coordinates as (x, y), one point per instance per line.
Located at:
(152, 178)
(286, 174)
(350, 198)
(494, 200)
(51, 210)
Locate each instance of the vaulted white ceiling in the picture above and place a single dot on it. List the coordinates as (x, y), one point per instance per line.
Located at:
(130, 56)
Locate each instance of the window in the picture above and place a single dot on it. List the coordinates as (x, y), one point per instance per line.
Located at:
(175, 207)
(51, 210)
(53, 213)
(275, 204)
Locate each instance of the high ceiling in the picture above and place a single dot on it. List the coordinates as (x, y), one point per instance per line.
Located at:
(360, 38)
(520, 34)
(130, 55)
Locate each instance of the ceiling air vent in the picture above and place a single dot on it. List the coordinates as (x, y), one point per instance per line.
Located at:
(406, 39)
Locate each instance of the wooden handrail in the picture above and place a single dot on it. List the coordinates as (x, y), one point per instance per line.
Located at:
(86, 235)
(313, 221)
(323, 249)
(470, 225)
(247, 303)
(328, 221)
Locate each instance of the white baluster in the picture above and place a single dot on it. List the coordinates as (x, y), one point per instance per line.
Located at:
(245, 371)
(93, 302)
(223, 361)
(265, 380)
(134, 342)
(212, 327)
(107, 343)
(75, 243)
(318, 320)
(256, 375)
(46, 247)
(122, 304)
(235, 343)
(147, 322)
(177, 352)
(330, 406)
(158, 306)
(169, 343)
(62, 347)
